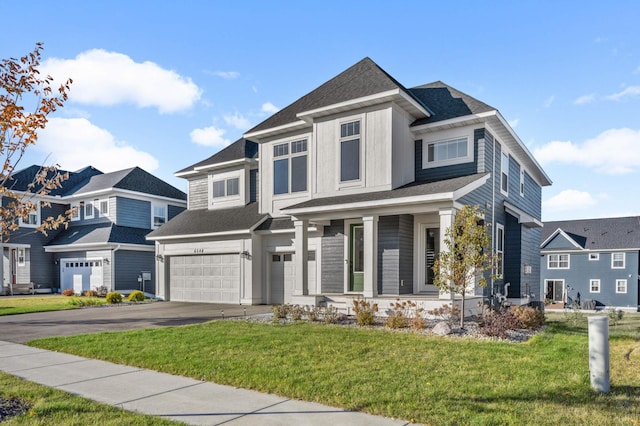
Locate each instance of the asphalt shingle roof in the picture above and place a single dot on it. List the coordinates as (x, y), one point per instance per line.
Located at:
(195, 222)
(599, 234)
(102, 233)
(242, 148)
(21, 179)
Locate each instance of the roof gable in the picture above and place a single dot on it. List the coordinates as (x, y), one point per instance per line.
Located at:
(597, 234)
(240, 149)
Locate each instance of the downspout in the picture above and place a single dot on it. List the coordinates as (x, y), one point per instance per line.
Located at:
(113, 267)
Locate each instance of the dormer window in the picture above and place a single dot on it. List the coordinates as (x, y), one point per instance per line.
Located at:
(226, 187)
(290, 167)
(88, 210)
(447, 148)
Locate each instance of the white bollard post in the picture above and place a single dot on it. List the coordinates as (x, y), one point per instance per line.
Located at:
(599, 353)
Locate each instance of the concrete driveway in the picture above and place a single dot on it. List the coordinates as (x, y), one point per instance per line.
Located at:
(25, 327)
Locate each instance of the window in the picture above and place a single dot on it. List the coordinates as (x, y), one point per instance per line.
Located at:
(88, 210)
(594, 256)
(504, 167)
(350, 151)
(104, 207)
(621, 286)
(447, 150)
(594, 286)
(290, 167)
(617, 261)
(226, 187)
(558, 261)
(75, 211)
(521, 182)
(32, 219)
(21, 257)
(159, 215)
(500, 249)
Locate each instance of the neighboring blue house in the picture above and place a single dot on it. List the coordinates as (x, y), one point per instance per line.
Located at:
(355, 187)
(592, 259)
(105, 242)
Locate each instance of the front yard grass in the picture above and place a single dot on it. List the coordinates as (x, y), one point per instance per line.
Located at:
(30, 304)
(431, 380)
(53, 407)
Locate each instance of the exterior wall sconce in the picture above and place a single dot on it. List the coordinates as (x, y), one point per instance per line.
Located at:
(245, 255)
(106, 260)
(160, 258)
(527, 269)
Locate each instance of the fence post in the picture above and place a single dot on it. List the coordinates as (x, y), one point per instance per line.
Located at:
(599, 353)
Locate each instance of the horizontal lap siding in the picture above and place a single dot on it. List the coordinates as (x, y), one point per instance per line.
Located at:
(405, 232)
(388, 255)
(199, 193)
(174, 211)
(128, 266)
(134, 213)
(332, 264)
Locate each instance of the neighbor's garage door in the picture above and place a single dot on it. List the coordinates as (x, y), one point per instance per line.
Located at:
(205, 278)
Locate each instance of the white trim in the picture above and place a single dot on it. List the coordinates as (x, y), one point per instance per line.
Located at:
(24, 256)
(136, 195)
(596, 257)
(500, 251)
(153, 214)
(565, 235)
(36, 213)
(625, 286)
(523, 217)
(455, 122)
(96, 246)
(78, 214)
(448, 136)
(347, 233)
(504, 153)
(559, 261)
(522, 180)
(591, 282)
(275, 130)
(624, 260)
(354, 183)
(86, 205)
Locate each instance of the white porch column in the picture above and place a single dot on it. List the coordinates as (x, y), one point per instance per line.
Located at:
(446, 220)
(370, 256)
(301, 286)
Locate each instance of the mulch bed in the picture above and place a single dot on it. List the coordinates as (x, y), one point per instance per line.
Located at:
(11, 407)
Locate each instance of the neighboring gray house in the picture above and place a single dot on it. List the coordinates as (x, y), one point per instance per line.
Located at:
(592, 259)
(354, 189)
(104, 244)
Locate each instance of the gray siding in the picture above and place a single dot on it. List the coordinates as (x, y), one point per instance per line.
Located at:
(332, 264)
(173, 211)
(512, 255)
(133, 213)
(395, 255)
(128, 266)
(81, 254)
(199, 193)
(405, 232)
(445, 172)
(530, 283)
(559, 242)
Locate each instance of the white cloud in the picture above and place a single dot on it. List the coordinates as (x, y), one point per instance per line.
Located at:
(614, 151)
(628, 92)
(514, 123)
(585, 99)
(209, 136)
(270, 108)
(547, 103)
(569, 200)
(227, 75)
(75, 143)
(236, 120)
(111, 78)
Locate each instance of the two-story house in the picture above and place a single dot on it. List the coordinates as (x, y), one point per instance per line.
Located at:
(350, 196)
(594, 260)
(104, 243)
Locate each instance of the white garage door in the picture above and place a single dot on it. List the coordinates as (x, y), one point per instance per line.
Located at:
(80, 274)
(283, 273)
(205, 278)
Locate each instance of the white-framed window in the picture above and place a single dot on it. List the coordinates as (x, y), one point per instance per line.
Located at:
(159, 215)
(504, 173)
(448, 150)
(350, 141)
(621, 286)
(226, 187)
(558, 261)
(21, 257)
(32, 220)
(75, 211)
(617, 261)
(594, 256)
(290, 167)
(102, 206)
(88, 210)
(521, 181)
(594, 286)
(500, 249)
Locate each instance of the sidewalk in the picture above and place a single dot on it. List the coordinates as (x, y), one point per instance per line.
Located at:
(174, 397)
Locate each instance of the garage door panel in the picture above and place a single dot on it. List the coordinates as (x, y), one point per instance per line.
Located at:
(205, 278)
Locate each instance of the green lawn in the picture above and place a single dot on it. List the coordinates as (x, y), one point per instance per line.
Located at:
(28, 304)
(405, 375)
(53, 407)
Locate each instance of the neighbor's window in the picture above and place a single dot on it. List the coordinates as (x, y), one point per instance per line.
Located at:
(290, 167)
(621, 286)
(617, 260)
(32, 219)
(350, 151)
(558, 261)
(521, 182)
(594, 286)
(75, 209)
(21, 257)
(159, 215)
(500, 249)
(504, 181)
(594, 256)
(104, 207)
(226, 187)
(88, 210)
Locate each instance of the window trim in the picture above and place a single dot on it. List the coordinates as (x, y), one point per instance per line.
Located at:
(594, 281)
(500, 237)
(84, 209)
(522, 179)
(550, 255)
(289, 155)
(76, 206)
(100, 202)
(619, 281)
(504, 154)
(225, 183)
(36, 214)
(594, 257)
(468, 135)
(153, 214)
(344, 139)
(624, 260)
(21, 256)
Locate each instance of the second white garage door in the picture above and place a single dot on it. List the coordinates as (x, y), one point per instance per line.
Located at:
(211, 278)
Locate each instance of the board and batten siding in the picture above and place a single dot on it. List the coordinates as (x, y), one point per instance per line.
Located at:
(198, 193)
(332, 263)
(128, 266)
(134, 213)
(402, 149)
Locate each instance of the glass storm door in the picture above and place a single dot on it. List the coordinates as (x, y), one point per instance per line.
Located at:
(431, 251)
(356, 258)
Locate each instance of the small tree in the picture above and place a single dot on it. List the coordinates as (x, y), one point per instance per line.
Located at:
(20, 85)
(466, 256)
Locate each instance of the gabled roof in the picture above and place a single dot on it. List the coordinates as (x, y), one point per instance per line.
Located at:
(194, 223)
(446, 102)
(363, 79)
(596, 234)
(21, 179)
(240, 149)
(101, 233)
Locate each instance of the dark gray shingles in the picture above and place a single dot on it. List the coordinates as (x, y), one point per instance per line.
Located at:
(101, 233)
(195, 222)
(242, 148)
(277, 224)
(21, 179)
(599, 234)
(446, 102)
(410, 190)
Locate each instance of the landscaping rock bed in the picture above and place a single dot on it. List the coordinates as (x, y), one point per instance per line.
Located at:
(11, 407)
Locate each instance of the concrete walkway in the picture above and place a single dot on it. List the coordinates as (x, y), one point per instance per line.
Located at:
(174, 397)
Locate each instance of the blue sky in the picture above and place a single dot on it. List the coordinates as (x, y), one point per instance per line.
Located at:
(165, 84)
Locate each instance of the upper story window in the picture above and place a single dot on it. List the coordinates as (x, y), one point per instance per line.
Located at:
(594, 286)
(290, 167)
(504, 173)
(88, 210)
(443, 151)
(621, 286)
(32, 219)
(594, 256)
(159, 215)
(103, 206)
(75, 211)
(500, 249)
(521, 181)
(558, 261)
(350, 151)
(617, 260)
(226, 187)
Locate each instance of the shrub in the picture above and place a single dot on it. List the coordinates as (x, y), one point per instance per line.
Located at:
(448, 313)
(136, 296)
(296, 312)
(528, 317)
(86, 301)
(330, 315)
(113, 298)
(68, 292)
(102, 291)
(615, 315)
(280, 311)
(365, 312)
(496, 324)
(312, 312)
(90, 293)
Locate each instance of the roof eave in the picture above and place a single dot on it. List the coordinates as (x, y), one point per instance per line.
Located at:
(260, 135)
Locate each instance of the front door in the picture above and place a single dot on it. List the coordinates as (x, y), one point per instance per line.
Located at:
(356, 258)
(431, 246)
(14, 266)
(554, 290)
